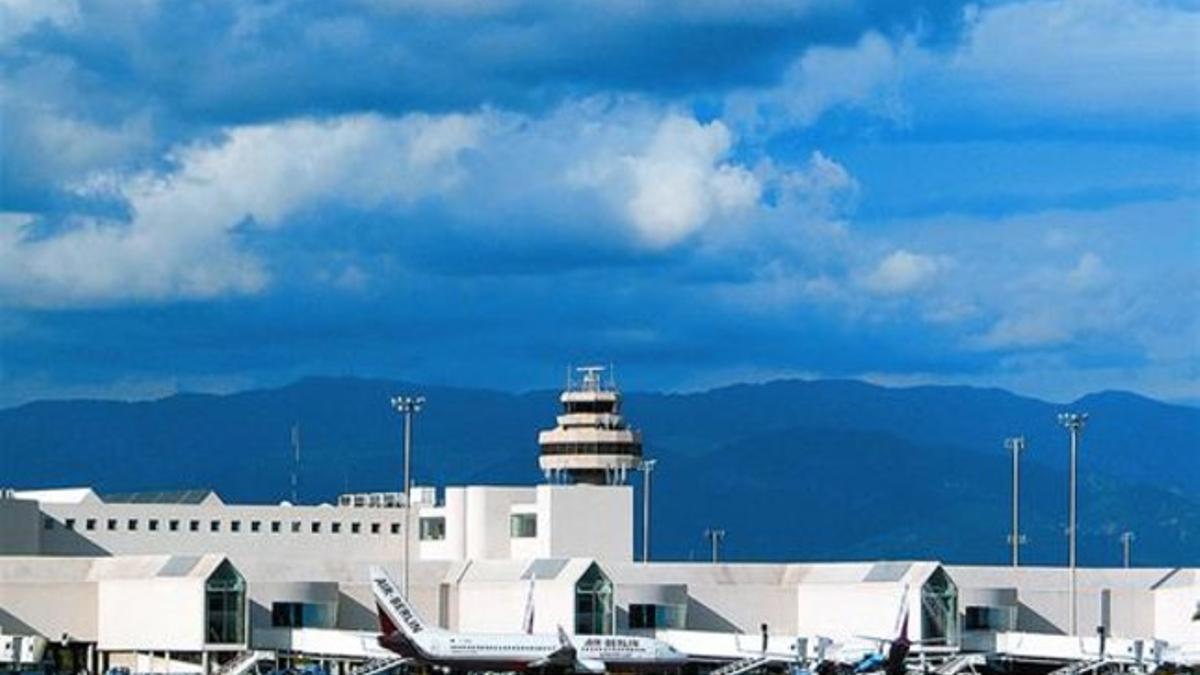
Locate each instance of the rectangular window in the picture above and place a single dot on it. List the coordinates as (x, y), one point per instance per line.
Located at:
(295, 527)
(522, 525)
(214, 526)
(316, 527)
(395, 528)
(112, 524)
(153, 525)
(374, 528)
(194, 526)
(132, 525)
(335, 527)
(173, 525)
(255, 526)
(89, 524)
(355, 528)
(48, 523)
(276, 526)
(433, 529)
(69, 523)
(235, 526)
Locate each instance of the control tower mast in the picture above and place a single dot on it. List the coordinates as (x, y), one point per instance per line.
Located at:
(592, 443)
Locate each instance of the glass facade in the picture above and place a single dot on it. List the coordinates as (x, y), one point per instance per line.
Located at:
(939, 608)
(303, 615)
(225, 606)
(593, 603)
(657, 616)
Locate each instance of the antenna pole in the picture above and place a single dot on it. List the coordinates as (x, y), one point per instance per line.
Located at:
(715, 537)
(295, 459)
(1126, 543)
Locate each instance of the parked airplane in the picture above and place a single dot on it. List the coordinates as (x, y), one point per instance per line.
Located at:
(405, 633)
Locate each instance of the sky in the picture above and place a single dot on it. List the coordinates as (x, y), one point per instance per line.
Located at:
(213, 196)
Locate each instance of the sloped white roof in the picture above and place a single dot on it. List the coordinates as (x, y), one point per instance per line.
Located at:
(58, 495)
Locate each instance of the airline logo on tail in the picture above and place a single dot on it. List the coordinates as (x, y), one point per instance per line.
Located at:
(393, 603)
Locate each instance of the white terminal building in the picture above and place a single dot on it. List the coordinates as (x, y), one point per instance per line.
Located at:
(184, 582)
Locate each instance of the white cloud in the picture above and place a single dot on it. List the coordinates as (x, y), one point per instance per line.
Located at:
(19, 16)
(1100, 57)
(181, 237)
(679, 182)
(865, 75)
(902, 272)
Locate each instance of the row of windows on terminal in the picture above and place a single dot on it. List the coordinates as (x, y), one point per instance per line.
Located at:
(275, 526)
(521, 525)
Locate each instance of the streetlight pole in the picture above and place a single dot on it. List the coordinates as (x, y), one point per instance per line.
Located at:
(715, 536)
(1016, 445)
(1126, 543)
(407, 405)
(1074, 424)
(647, 467)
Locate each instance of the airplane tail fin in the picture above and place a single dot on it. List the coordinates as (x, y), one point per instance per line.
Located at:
(527, 619)
(395, 612)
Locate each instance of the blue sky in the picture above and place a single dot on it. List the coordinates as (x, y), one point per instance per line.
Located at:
(218, 195)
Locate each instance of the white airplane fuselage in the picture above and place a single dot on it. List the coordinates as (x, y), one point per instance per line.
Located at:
(404, 633)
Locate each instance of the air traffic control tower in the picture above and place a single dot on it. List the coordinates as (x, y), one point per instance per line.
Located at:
(592, 443)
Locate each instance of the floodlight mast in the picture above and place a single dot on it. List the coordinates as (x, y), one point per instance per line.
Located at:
(1126, 544)
(1016, 445)
(647, 467)
(407, 405)
(1074, 423)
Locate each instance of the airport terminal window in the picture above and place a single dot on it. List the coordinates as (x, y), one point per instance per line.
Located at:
(48, 523)
(433, 529)
(194, 526)
(295, 527)
(355, 528)
(225, 605)
(593, 603)
(235, 526)
(89, 524)
(335, 527)
(112, 523)
(302, 615)
(153, 525)
(657, 616)
(132, 525)
(255, 526)
(522, 525)
(69, 523)
(990, 618)
(395, 528)
(316, 527)
(939, 607)
(276, 525)
(173, 525)
(214, 526)
(374, 528)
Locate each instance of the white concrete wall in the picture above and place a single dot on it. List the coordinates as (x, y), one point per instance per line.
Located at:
(165, 613)
(844, 610)
(587, 521)
(488, 509)
(1173, 612)
(374, 540)
(50, 609)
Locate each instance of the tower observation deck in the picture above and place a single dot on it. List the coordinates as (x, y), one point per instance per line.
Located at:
(592, 443)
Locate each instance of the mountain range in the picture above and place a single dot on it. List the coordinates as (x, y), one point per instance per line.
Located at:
(791, 469)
